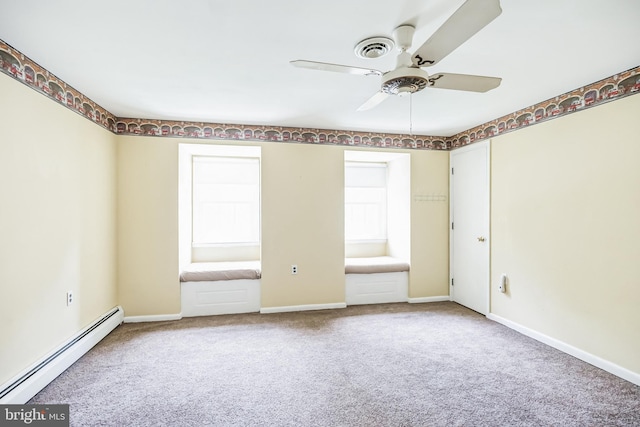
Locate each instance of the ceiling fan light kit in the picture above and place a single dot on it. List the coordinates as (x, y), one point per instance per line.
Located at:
(408, 77)
(402, 81)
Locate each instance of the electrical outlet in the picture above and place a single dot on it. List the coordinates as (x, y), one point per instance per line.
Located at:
(294, 269)
(69, 298)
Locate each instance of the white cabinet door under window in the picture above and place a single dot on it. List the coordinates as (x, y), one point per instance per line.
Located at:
(470, 226)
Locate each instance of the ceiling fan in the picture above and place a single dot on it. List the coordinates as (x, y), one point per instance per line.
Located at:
(408, 76)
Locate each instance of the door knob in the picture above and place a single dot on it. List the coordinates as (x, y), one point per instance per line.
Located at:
(481, 239)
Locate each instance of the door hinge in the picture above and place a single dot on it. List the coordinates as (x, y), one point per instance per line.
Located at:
(451, 171)
(452, 225)
(452, 281)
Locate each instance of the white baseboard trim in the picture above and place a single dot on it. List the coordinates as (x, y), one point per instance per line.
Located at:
(29, 382)
(594, 360)
(152, 318)
(429, 299)
(308, 307)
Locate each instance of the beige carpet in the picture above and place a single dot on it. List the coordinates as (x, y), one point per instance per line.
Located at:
(383, 365)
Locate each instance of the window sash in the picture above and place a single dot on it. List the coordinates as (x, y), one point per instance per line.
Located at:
(225, 200)
(365, 201)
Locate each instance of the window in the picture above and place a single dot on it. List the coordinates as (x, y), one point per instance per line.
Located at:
(219, 203)
(226, 200)
(377, 204)
(365, 201)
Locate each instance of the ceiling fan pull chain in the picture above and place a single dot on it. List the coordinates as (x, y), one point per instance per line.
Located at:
(410, 114)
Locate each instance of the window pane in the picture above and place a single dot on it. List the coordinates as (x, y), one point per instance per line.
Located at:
(365, 201)
(365, 174)
(226, 200)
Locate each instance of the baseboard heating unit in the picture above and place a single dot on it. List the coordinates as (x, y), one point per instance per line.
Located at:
(29, 382)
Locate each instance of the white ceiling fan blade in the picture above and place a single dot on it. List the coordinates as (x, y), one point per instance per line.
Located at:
(373, 101)
(464, 82)
(470, 18)
(325, 66)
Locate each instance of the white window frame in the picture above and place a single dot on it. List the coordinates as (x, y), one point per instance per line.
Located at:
(398, 234)
(188, 251)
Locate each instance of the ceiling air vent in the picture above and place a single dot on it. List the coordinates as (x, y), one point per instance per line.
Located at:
(374, 47)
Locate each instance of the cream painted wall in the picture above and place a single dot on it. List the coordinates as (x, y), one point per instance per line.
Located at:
(57, 225)
(148, 281)
(429, 276)
(565, 218)
(302, 223)
(303, 219)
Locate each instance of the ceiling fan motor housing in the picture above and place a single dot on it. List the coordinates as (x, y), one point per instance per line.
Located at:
(404, 80)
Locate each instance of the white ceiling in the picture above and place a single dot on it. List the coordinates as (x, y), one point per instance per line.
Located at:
(225, 61)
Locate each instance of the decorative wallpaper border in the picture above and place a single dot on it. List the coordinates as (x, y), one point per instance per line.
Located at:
(203, 130)
(606, 90)
(20, 67)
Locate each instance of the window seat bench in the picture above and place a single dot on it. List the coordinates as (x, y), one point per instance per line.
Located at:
(212, 271)
(211, 288)
(379, 264)
(376, 280)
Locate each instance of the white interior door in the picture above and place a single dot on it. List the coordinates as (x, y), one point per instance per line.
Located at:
(470, 226)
